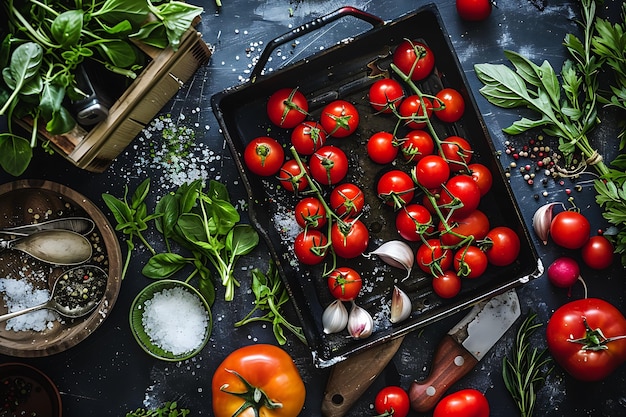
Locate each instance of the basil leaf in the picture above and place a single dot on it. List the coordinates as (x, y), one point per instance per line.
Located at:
(177, 18)
(119, 53)
(242, 239)
(15, 153)
(140, 193)
(114, 11)
(66, 28)
(25, 63)
(61, 122)
(164, 265)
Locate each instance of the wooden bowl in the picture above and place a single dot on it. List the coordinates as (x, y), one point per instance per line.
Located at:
(40, 396)
(30, 201)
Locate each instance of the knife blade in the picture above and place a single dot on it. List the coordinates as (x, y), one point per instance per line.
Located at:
(464, 346)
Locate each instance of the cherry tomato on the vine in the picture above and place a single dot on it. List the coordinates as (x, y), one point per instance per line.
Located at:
(467, 402)
(597, 253)
(431, 172)
(447, 284)
(413, 221)
(482, 175)
(382, 147)
(504, 246)
(328, 165)
(264, 156)
(307, 137)
(291, 176)
(396, 188)
(385, 94)
(339, 118)
(310, 213)
(412, 111)
(416, 145)
(346, 200)
(470, 262)
(414, 58)
(349, 239)
(570, 229)
(311, 246)
(449, 106)
(287, 107)
(473, 10)
(433, 258)
(461, 196)
(392, 399)
(344, 283)
(474, 225)
(457, 151)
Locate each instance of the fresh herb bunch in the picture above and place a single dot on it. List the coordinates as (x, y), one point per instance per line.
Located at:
(270, 295)
(169, 409)
(527, 369)
(47, 41)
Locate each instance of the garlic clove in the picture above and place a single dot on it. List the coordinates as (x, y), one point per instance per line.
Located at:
(360, 322)
(400, 306)
(397, 254)
(335, 317)
(541, 221)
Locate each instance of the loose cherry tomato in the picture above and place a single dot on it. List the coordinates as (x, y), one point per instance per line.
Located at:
(416, 145)
(570, 229)
(473, 10)
(328, 165)
(470, 262)
(474, 225)
(264, 156)
(385, 95)
(396, 188)
(382, 147)
(308, 137)
(449, 106)
(457, 151)
(414, 58)
(310, 213)
(482, 175)
(287, 107)
(464, 403)
(412, 111)
(461, 196)
(339, 118)
(447, 284)
(393, 400)
(504, 246)
(349, 239)
(291, 176)
(433, 258)
(431, 172)
(344, 283)
(346, 200)
(597, 253)
(310, 246)
(413, 221)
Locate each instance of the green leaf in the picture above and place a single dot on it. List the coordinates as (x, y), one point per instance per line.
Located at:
(164, 265)
(225, 216)
(167, 207)
(115, 11)
(207, 287)
(120, 210)
(61, 122)
(503, 84)
(242, 239)
(191, 227)
(153, 34)
(25, 63)
(140, 193)
(66, 28)
(177, 18)
(525, 124)
(15, 153)
(119, 53)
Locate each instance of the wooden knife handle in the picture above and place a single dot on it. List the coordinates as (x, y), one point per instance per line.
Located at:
(451, 362)
(350, 378)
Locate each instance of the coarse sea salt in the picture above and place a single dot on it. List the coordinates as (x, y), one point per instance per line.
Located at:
(20, 294)
(175, 320)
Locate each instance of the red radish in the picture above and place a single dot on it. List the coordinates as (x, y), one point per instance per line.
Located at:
(564, 272)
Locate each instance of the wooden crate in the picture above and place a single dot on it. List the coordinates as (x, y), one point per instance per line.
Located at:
(94, 150)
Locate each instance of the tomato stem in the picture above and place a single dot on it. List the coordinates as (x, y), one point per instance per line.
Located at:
(594, 339)
(254, 397)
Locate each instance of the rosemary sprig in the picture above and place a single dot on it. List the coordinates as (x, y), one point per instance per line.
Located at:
(527, 369)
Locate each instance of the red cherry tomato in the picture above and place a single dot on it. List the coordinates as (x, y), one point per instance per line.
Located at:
(339, 118)
(470, 262)
(461, 196)
(414, 58)
(382, 148)
(433, 258)
(344, 283)
(447, 284)
(570, 229)
(310, 246)
(597, 253)
(416, 145)
(291, 176)
(396, 188)
(475, 225)
(413, 221)
(504, 246)
(328, 165)
(464, 403)
(308, 137)
(310, 213)
(473, 10)
(412, 111)
(457, 151)
(432, 171)
(346, 200)
(483, 177)
(349, 239)
(449, 106)
(385, 95)
(264, 156)
(393, 400)
(287, 107)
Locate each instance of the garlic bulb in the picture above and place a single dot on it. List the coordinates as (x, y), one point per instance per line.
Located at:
(400, 306)
(335, 317)
(541, 221)
(360, 323)
(397, 254)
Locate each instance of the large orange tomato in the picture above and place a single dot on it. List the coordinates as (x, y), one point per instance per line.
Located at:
(258, 380)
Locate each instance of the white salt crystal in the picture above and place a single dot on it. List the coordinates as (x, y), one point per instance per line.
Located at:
(19, 295)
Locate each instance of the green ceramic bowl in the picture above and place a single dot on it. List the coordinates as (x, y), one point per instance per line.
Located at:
(137, 310)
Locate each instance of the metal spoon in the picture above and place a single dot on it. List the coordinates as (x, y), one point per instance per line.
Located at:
(59, 247)
(82, 225)
(76, 293)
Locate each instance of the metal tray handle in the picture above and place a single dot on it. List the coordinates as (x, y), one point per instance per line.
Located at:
(310, 27)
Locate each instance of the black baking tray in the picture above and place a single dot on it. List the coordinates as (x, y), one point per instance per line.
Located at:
(346, 70)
